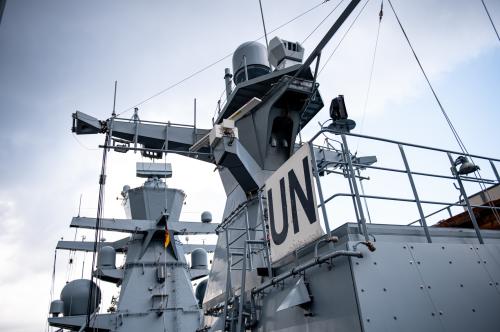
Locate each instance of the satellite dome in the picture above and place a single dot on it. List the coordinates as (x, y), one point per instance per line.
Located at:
(75, 296)
(254, 54)
(206, 216)
(199, 259)
(56, 308)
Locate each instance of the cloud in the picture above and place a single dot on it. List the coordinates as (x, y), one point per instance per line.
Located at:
(59, 57)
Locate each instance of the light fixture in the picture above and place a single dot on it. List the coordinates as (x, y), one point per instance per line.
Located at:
(338, 113)
(466, 166)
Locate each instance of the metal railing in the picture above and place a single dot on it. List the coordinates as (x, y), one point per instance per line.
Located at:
(349, 167)
(244, 253)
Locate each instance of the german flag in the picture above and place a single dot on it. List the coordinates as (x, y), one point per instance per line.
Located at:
(167, 236)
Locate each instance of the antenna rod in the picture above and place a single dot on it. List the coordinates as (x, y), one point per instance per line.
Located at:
(264, 25)
(114, 101)
(80, 204)
(194, 129)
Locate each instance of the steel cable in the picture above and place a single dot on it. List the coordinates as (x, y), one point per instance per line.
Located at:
(342, 38)
(370, 80)
(216, 62)
(448, 120)
(491, 20)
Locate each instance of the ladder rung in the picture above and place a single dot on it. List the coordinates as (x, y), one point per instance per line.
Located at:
(237, 238)
(237, 262)
(237, 229)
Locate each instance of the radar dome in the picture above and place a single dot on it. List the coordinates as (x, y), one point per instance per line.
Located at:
(206, 216)
(254, 54)
(106, 258)
(199, 259)
(56, 308)
(75, 296)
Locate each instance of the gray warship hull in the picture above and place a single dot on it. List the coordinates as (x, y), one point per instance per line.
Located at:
(407, 284)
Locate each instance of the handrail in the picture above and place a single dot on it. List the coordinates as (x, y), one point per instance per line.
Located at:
(157, 122)
(397, 170)
(408, 200)
(332, 131)
(348, 164)
(432, 214)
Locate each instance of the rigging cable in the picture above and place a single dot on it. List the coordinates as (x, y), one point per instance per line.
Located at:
(100, 207)
(448, 120)
(370, 80)
(491, 20)
(322, 21)
(71, 259)
(217, 61)
(52, 286)
(342, 38)
(81, 144)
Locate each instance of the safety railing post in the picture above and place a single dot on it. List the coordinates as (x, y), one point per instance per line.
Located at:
(241, 325)
(320, 190)
(494, 170)
(423, 222)
(247, 225)
(353, 197)
(228, 277)
(466, 199)
(352, 176)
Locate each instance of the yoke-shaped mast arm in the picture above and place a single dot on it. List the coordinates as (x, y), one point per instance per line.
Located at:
(155, 137)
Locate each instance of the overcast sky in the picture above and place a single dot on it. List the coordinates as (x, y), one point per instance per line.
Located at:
(60, 56)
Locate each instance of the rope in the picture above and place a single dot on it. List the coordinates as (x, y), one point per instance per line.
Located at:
(370, 80)
(491, 20)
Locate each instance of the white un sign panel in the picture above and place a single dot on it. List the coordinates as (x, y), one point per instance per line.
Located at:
(291, 202)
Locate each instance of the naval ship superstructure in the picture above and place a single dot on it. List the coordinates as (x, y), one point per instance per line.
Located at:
(155, 279)
(277, 265)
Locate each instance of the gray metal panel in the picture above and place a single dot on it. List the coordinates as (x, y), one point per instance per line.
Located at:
(402, 233)
(427, 287)
(333, 308)
(116, 225)
(103, 322)
(297, 295)
(390, 291)
(79, 245)
(490, 256)
(459, 285)
(192, 227)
